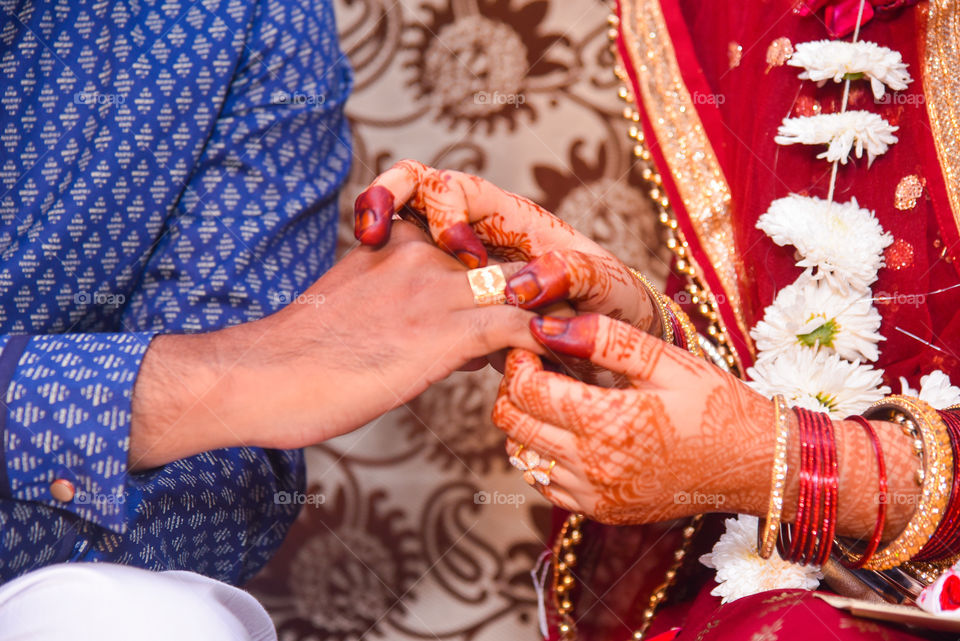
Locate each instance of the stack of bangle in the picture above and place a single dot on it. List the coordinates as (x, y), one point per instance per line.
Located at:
(676, 327)
(850, 560)
(933, 533)
(938, 473)
(945, 542)
(812, 538)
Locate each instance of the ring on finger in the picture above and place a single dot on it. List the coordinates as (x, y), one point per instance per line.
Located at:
(535, 468)
(518, 463)
(542, 474)
(488, 284)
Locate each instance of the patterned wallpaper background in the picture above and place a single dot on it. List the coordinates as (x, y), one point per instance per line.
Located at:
(415, 527)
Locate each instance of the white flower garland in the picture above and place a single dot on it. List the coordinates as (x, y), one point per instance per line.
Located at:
(809, 313)
(825, 60)
(842, 241)
(815, 340)
(935, 389)
(857, 130)
(819, 381)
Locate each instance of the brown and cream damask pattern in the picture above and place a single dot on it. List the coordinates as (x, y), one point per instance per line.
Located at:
(415, 527)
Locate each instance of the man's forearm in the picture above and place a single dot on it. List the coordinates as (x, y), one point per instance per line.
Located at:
(182, 399)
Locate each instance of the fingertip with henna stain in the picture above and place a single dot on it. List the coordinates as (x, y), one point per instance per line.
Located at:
(373, 212)
(460, 240)
(575, 336)
(540, 283)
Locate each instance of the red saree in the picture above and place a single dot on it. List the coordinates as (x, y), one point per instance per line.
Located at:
(708, 89)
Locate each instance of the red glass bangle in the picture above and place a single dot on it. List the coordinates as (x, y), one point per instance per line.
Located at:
(816, 494)
(945, 542)
(858, 562)
(679, 337)
(803, 476)
(812, 538)
(805, 493)
(831, 483)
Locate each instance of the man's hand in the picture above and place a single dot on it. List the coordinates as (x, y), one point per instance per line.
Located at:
(374, 332)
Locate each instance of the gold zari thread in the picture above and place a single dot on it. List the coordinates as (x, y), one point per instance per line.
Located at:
(693, 164)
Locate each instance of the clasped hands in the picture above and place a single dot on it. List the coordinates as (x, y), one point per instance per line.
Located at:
(667, 434)
(623, 453)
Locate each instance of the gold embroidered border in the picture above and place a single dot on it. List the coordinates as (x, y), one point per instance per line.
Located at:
(942, 88)
(692, 162)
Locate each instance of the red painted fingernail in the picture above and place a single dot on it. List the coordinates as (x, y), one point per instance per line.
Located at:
(459, 240)
(572, 336)
(372, 211)
(523, 289)
(468, 258)
(542, 282)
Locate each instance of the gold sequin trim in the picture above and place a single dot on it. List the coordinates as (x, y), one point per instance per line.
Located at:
(689, 155)
(779, 52)
(942, 88)
(909, 190)
(899, 255)
(734, 54)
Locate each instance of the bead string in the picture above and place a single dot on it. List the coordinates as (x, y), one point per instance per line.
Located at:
(565, 558)
(699, 294)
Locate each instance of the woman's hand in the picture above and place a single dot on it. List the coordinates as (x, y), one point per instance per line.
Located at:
(682, 437)
(471, 218)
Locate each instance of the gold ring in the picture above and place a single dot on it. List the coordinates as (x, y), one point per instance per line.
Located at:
(535, 468)
(489, 285)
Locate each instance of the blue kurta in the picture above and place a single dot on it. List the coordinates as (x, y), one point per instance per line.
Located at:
(165, 167)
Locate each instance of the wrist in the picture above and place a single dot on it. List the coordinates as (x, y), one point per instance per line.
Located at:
(185, 399)
(858, 494)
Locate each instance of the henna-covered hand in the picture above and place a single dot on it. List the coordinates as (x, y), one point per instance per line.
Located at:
(472, 218)
(658, 449)
(684, 437)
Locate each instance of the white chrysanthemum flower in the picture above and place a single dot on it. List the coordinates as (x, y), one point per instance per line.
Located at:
(856, 130)
(740, 570)
(818, 381)
(811, 314)
(834, 59)
(935, 389)
(842, 240)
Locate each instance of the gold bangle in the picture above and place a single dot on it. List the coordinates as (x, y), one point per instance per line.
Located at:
(937, 479)
(909, 428)
(769, 528)
(660, 302)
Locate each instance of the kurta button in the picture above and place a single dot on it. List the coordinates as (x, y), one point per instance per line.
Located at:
(62, 490)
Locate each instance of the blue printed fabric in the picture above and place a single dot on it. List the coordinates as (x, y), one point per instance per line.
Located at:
(165, 167)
